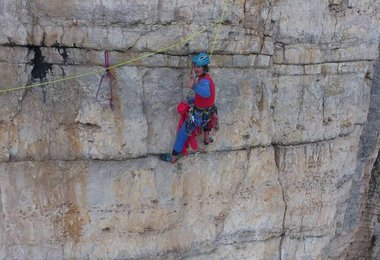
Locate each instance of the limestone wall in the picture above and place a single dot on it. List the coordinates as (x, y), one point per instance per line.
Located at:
(289, 176)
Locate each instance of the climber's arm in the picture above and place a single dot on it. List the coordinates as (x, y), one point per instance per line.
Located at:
(203, 88)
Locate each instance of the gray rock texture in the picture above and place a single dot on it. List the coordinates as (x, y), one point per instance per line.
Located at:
(294, 171)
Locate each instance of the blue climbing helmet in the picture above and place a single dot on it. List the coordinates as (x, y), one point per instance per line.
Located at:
(202, 59)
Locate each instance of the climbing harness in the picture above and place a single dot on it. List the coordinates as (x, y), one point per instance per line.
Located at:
(209, 115)
(107, 74)
(190, 124)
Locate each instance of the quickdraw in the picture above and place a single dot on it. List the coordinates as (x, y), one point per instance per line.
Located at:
(106, 74)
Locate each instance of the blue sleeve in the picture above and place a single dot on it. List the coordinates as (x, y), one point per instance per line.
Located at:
(203, 88)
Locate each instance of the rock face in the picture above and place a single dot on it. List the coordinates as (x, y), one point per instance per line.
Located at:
(294, 173)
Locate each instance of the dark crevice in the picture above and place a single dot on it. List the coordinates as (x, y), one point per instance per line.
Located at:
(277, 158)
(63, 52)
(56, 45)
(339, 9)
(278, 144)
(40, 67)
(374, 203)
(10, 43)
(324, 62)
(373, 243)
(144, 156)
(90, 126)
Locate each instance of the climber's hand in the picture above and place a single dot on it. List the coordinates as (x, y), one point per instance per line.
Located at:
(190, 83)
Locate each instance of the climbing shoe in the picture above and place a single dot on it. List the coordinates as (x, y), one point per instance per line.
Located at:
(210, 140)
(167, 157)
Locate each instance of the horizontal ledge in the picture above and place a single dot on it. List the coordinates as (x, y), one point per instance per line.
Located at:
(150, 155)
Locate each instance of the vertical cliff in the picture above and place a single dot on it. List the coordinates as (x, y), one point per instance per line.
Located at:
(365, 193)
(293, 173)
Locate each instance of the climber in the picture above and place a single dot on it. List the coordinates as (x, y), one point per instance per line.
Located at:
(203, 106)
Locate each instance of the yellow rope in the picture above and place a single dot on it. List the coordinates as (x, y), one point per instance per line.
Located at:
(47, 82)
(104, 69)
(160, 50)
(187, 39)
(218, 28)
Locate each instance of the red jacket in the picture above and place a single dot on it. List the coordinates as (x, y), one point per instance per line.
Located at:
(206, 102)
(183, 109)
